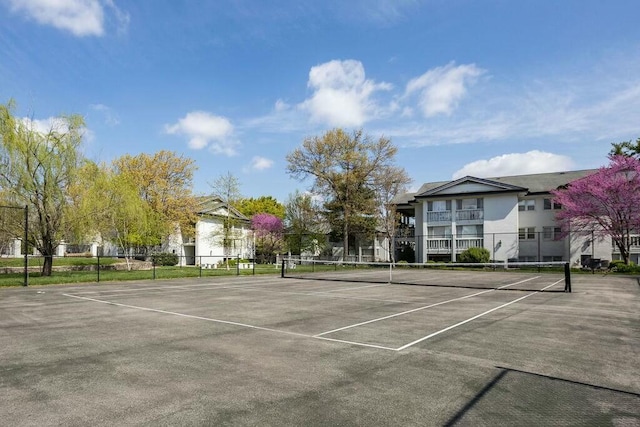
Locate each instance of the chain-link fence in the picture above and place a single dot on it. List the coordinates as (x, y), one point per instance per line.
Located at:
(82, 268)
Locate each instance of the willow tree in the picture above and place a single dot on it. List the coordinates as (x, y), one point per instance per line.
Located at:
(342, 165)
(107, 205)
(37, 167)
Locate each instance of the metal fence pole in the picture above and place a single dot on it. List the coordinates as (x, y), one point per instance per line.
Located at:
(98, 268)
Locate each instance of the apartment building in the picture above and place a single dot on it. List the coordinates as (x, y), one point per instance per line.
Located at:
(513, 217)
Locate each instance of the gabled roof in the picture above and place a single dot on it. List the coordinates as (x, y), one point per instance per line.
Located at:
(488, 183)
(214, 206)
(531, 184)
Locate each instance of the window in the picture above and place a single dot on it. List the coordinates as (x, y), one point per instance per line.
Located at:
(469, 230)
(439, 232)
(526, 205)
(468, 204)
(527, 259)
(551, 233)
(439, 206)
(550, 204)
(527, 233)
(554, 258)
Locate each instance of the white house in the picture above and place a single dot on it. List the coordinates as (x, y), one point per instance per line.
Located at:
(207, 246)
(513, 217)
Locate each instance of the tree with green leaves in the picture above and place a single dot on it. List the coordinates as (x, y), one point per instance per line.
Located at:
(227, 188)
(626, 148)
(263, 204)
(305, 232)
(164, 181)
(107, 205)
(342, 165)
(37, 167)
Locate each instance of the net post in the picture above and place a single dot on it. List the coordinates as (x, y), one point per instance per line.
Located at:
(567, 277)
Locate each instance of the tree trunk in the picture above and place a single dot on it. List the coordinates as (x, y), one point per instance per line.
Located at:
(47, 266)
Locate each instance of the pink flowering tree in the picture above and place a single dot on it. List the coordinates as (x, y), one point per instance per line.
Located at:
(269, 233)
(606, 203)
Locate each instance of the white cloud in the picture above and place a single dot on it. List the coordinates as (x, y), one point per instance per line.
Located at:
(260, 163)
(110, 117)
(441, 88)
(342, 96)
(80, 17)
(44, 126)
(534, 161)
(205, 129)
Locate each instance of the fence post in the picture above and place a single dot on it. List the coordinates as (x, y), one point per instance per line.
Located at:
(238, 265)
(153, 263)
(98, 268)
(200, 264)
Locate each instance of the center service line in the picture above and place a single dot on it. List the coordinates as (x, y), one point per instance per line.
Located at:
(474, 317)
(420, 308)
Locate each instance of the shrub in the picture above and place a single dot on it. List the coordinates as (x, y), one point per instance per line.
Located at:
(165, 259)
(619, 266)
(474, 255)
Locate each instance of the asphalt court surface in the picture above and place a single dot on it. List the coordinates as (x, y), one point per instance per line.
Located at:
(272, 351)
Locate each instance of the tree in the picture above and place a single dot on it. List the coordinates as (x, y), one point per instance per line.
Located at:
(626, 148)
(164, 181)
(606, 203)
(106, 204)
(362, 207)
(391, 182)
(268, 231)
(263, 204)
(36, 170)
(341, 165)
(227, 189)
(304, 225)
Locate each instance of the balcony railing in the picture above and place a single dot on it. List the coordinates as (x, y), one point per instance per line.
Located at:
(443, 245)
(470, 215)
(439, 216)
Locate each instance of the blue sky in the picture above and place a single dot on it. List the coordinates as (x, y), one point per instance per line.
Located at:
(483, 88)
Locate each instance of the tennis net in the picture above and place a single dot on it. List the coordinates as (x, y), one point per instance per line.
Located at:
(515, 276)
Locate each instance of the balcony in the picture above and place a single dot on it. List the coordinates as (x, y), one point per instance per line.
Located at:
(470, 215)
(443, 245)
(404, 232)
(439, 216)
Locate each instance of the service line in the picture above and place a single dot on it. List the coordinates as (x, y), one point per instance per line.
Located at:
(420, 308)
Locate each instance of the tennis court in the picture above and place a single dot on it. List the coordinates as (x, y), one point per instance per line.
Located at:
(292, 351)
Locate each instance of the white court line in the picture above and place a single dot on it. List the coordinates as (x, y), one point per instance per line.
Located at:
(208, 319)
(421, 308)
(356, 343)
(114, 293)
(190, 316)
(355, 287)
(180, 287)
(473, 318)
